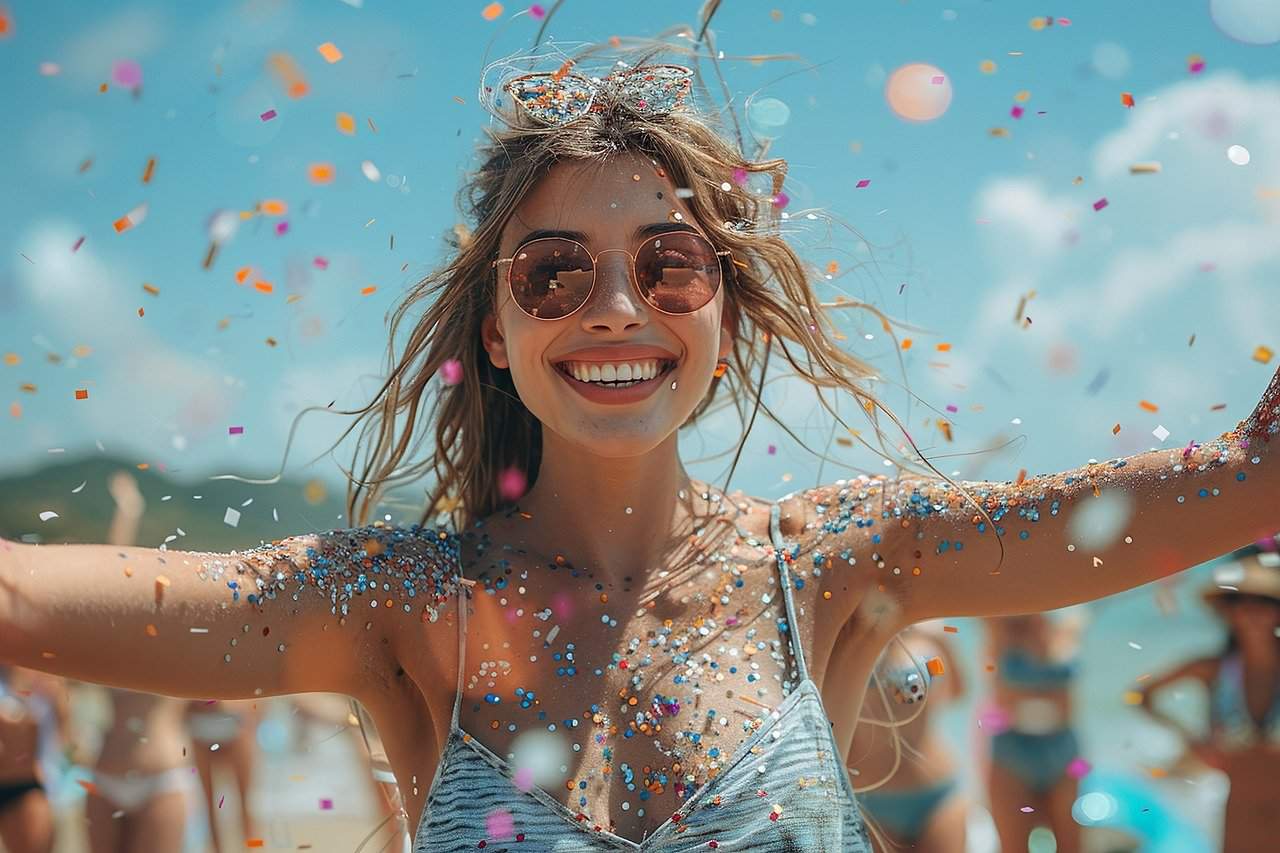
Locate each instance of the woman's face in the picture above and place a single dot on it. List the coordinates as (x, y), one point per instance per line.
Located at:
(605, 204)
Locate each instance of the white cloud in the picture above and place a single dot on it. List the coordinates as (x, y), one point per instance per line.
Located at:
(1020, 212)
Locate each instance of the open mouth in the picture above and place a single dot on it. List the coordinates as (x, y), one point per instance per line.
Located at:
(596, 376)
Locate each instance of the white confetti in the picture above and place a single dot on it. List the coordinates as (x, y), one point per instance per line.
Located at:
(1160, 433)
(370, 171)
(48, 514)
(77, 489)
(232, 517)
(1238, 154)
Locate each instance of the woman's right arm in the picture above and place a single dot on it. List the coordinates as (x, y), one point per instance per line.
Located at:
(309, 613)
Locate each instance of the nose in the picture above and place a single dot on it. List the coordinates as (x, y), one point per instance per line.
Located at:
(614, 302)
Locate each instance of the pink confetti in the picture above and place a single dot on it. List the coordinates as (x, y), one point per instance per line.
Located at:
(1078, 768)
(780, 200)
(739, 176)
(1100, 203)
(951, 407)
(50, 69)
(268, 115)
(865, 182)
(773, 450)
(127, 72)
(220, 799)
(326, 804)
(937, 79)
(320, 263)
(537, 12)
(499, 825)
(523, 778)
(282, 227)
(78, 244)
(1026, 810)
(1016, 112)
(451, 372)
(512, 483)
(235, 430)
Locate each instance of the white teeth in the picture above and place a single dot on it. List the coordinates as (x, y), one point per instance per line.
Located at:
(624, 373)
(616, 372)
(608, 373)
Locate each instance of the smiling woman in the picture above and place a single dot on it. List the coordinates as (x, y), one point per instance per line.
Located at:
(603, 653)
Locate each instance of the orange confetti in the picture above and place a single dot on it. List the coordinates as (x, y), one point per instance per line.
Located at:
(945, 426)
(832, 268)
(289, 74)
(1263, 354)
(951, 629)
(152, 630)
(365, 291)
(242, 274)
(1115, 430)
(263, 286)
(1022, 476)
(15, 410)
(254, 842)
(1147, 406)
(273, 207)
(152, 289)
(330, 52)
(944, 347)
(146, 173)
(12, 359)
(122, 224)
(935, 667)
(1126, 99)
(320, 173)
(82, 394)
(88, 786)
(492, 11)
(906, 343)
(346, 124)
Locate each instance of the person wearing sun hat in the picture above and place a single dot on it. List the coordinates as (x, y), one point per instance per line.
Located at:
(1243, 680)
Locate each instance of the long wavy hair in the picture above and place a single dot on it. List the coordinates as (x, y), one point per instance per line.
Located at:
(479, 425)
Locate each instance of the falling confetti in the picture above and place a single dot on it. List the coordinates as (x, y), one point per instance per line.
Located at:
(491, 12)
(48, 514)
(232, 517)
(1100, 203)
(1238, 154)
(268, 115)
(1263, 354)
(320, 173)
(330, 52)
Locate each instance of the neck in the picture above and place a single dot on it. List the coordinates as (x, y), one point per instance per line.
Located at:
(616, 516)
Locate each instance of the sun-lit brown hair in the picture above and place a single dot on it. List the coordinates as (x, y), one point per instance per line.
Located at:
(479, 426)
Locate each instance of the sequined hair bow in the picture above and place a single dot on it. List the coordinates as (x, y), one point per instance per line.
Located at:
(560, 97)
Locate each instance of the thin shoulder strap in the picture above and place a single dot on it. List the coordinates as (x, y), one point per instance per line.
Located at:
(461, 597)
(781, 549)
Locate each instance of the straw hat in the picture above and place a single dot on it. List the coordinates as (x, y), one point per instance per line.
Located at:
(1253, 572)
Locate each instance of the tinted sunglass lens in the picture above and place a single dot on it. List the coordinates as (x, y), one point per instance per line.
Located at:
(551, 278)
(678, 272)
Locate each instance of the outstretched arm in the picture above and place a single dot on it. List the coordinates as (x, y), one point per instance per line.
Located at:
(308, 613)
(931, 553)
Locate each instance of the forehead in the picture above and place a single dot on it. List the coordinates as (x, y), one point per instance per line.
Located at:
(604, 200)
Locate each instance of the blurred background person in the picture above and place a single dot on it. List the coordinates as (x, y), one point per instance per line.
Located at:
(903, 769)
(1032, 777)
(224, 745)
(32, 726)
(1243, 686)
(142, 780)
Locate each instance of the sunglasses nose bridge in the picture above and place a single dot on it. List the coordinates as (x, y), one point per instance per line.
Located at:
(618, 273)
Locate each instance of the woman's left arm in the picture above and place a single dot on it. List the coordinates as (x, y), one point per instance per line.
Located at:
(935, 555)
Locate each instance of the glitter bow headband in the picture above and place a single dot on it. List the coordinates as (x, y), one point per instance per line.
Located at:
(560, 97)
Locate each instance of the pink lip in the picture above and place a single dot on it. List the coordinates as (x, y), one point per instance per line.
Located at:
(600, 394)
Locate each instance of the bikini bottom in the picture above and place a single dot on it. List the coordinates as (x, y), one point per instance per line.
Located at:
(137, 789)
(12, 792)
(905, 813)
(1039, 761)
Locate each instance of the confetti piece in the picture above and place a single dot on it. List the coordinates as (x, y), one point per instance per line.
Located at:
(1263, 354)
(491, 12)
(780, 200)
(255, 842)
(220, 800)
(152, 630)
(1148, 406)
(1144, 168)
(131, 219)
(1100, 203)
(282, 228)
(320, 173)
(232, 517)
(289, 74)
(127, 73)
(987, 67)
(906, 343)
(365, 291)
(346, 124)
(1078, 768)
(935, 667)
(263, 286)
(149, 170)
(151, 289)
(1238, 155)
(451, 372)
(1115, 430)
(326, 804)
(78, 244)
(951, 629)
(47, 515)
(1126, 98)
(235, 430)
(82, 394)
(944, 347)
(330, 52)
(1195, 63)
(273, 207)
(1015, 111)
(80, 487)
(320, 263)
(865, 182)
(268, 115)
(512, 484)
(537, 12)
(1160, 432)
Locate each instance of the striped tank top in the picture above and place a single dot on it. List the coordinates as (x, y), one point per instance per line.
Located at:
(785, 789)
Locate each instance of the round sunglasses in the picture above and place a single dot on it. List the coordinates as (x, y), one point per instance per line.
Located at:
(676, 272)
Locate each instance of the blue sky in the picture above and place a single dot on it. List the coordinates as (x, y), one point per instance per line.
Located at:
(964, 223)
